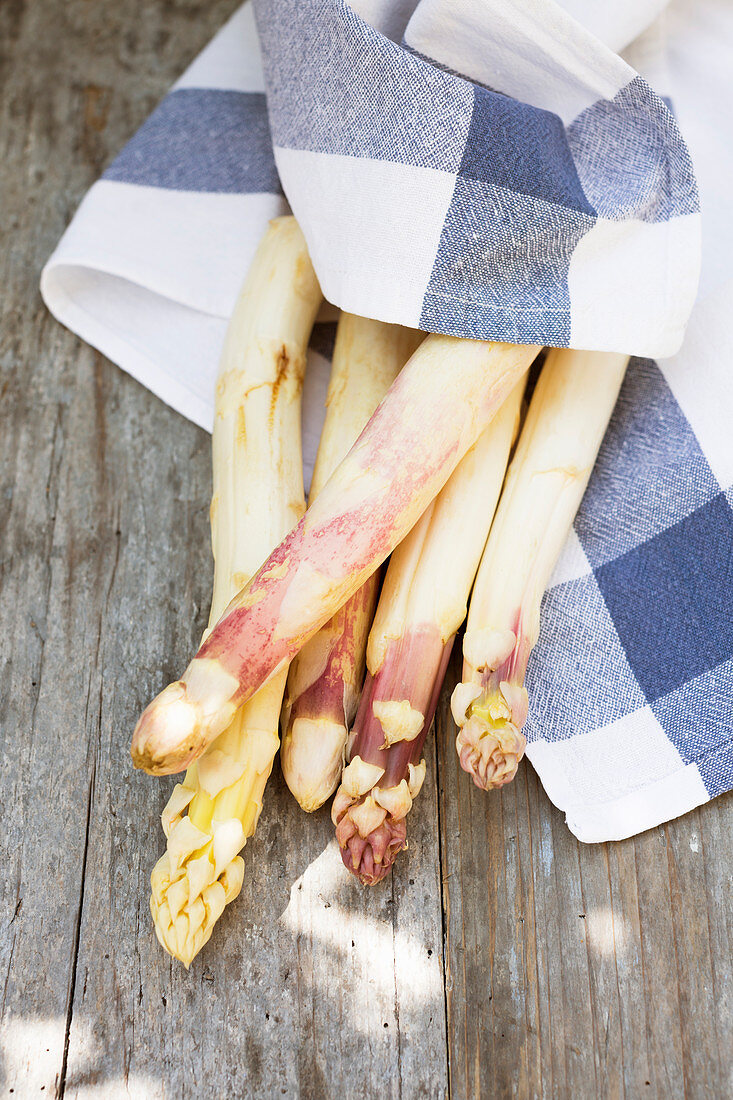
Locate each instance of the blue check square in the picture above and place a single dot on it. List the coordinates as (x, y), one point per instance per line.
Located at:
(485, 279)
(592, 684)
(523, 148)
(670, 599)
(698, 719)
(650, 471)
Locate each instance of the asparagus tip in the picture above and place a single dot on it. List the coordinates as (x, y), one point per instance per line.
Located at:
(311, 758)
(166, 736)
(187, 899)
(370, 858)
(491, 757)
(369, 836)
(489, 742)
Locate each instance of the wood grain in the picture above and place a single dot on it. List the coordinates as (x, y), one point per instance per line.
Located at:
(582, 970)
(502, 959)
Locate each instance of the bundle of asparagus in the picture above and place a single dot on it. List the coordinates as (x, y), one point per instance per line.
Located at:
(444, 396)
(422, 479)
(567, 419)
(258, 497)
(326, 676)
(422, 605)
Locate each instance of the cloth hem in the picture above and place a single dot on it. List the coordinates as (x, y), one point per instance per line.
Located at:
(619, 818)
(120, 351)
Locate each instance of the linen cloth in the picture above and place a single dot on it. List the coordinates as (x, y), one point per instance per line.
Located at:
(492, 169)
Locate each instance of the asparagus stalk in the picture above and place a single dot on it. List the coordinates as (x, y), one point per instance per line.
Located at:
(567, 418)
(435, 410)
(257, 499)
(326, 675)
(422, 605)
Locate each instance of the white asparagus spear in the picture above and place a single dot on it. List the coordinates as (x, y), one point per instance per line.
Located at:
(257, 499)
(326, 676)
(567, 419)
(422, 605)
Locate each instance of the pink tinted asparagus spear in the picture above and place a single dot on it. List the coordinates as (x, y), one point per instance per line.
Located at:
(443, 398)
(325, 678)
(257, 499)
(422, 605)
(567, 418)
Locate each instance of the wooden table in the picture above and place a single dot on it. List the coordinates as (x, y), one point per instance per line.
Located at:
(501, 959)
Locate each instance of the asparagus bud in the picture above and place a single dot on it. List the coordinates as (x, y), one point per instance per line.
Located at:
(433, 413)
(567, 418)
(422, 605)
(257, 499)
(326, 676)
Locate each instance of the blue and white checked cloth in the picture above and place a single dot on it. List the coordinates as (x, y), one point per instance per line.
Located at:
(505, 169)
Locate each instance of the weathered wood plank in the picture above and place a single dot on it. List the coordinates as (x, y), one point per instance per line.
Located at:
(582, 970)
(59, 68)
